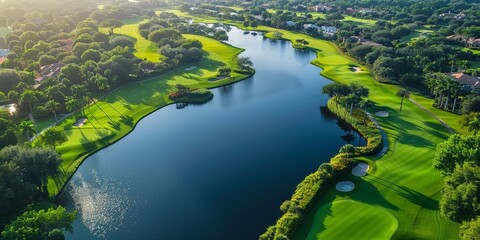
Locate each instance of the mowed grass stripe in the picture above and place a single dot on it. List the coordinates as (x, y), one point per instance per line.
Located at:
(377, 224)
(144, 49)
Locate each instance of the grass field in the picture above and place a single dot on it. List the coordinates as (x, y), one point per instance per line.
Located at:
(115, 116)
(4, 31)
(377, 224)
(144, 49)
(403, 183)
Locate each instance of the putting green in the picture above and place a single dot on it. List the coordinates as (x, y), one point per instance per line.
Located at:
(360, 221)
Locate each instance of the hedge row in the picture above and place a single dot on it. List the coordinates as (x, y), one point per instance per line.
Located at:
(317, 183)
(368, 130)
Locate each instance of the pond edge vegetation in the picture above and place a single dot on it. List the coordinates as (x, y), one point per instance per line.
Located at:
(319, 182)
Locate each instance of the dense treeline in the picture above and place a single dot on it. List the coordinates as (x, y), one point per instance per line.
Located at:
(406, 42)
(458, 159)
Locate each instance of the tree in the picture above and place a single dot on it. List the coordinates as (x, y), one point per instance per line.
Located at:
(470, 121)
(470, 230)
(254, 24)
(474, 125)
(348, 150)
(456, 150)
(51, 105)
(9, 78)
(246, 24)
(111, 24)
(72, 104)
(366, 104)
(28, 98)
(244, 63)
(27, 128)
(102, 83)
(35, 165)
(460, 201)
(335, 88)
(91, 54)
(471, 104)
(402, 93)
(41, 224)
(54, 136)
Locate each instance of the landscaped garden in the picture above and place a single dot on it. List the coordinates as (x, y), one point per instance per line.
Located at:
(403, 183)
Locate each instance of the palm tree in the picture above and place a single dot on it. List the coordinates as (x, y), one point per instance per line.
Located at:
(351, 99)
(102, 83)
(474, 125)
(366, 104)
(72, 104)
(80, 93)
(403, 93)
(52, 107)
(456, 90)
(27, 128)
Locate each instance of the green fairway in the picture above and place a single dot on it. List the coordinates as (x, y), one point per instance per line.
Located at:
(404, 183)
(361, 222)
(144, 49)
(4, 31)
(113, 117)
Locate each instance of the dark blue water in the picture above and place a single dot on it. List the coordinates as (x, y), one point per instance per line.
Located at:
(215, 171)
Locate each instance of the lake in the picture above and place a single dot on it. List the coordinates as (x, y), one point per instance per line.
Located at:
(215, 171)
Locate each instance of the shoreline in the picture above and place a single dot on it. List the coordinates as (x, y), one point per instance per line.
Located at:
(71, 169)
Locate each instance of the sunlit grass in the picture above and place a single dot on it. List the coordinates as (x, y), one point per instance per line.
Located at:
(144, 49)
(113, 117)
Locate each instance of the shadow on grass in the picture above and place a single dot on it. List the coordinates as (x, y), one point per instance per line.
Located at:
(413, 196)
(408, 133)
(367, 193)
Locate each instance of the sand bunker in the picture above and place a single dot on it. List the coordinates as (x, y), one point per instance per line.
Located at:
(345, 186)
(191, 68)
(356, 69)
(381, 114)
(360, 170)
(80, 122)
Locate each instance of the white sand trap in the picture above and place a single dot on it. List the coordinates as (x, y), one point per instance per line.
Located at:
(381, 114)
(191, 68)
(360, 170)
(80, 122)
(345, 186)
(356, 69)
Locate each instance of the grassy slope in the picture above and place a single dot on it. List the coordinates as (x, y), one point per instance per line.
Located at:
(144, 49)
(115, 116)
(404, 183)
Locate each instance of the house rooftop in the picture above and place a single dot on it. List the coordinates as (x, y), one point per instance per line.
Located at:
(465, 79)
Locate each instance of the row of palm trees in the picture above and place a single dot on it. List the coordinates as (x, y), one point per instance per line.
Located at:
(445, 90)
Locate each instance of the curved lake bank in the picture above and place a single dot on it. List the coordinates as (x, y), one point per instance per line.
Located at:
(215, 171)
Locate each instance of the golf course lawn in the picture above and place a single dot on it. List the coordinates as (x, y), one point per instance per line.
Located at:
(114, 116)
(402, 182)
(144, 49)
(365, 222)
